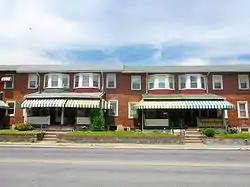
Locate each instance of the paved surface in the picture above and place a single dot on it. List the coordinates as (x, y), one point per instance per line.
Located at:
(75, 167)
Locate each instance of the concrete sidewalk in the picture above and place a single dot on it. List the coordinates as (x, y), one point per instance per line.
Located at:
(191, 146)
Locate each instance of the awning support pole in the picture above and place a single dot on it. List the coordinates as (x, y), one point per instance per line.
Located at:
(62, 116)
(223, 119)
(142, 120)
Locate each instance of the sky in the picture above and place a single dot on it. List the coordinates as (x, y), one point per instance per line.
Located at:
(129, 32)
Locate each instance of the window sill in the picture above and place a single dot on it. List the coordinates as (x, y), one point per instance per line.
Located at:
(243, 117)
(243, 88)
(110, 87)
(217, 88)
(192, 89)
(161, 89)
(86, 87)
(32, 88)
(8, 88)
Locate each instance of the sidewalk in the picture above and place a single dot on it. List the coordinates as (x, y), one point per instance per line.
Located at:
(191, 146)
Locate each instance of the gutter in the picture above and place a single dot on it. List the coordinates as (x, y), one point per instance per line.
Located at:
(146, 82)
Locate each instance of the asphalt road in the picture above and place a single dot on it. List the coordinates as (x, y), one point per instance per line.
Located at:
(77, 167)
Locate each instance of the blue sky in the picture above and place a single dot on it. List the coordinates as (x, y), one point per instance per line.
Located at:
(134, 32)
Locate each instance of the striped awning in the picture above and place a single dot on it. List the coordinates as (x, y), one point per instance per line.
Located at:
(185, 105)
(82, 103)
(35, 103)
(3, 105)
(105, 104)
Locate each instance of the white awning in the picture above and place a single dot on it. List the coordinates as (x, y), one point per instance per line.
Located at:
(5, 79)
(35, 103)
(3, 105)
(82, 103)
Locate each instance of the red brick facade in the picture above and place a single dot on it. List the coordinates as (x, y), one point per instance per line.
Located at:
(124, 94)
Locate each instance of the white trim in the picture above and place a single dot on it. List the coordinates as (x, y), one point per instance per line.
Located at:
(91, 80)
(240, 77)
(13, 81)
(60, 80)
(117, 106)
(108, 76)
(246, 109)
(135, 77)
(188, 81)
(155, 79)
(30, 79)
(217, 78)
(10, 101)
(129, 110)
(226, 114)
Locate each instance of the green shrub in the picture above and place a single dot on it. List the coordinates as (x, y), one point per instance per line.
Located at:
(209, 132)
(23, 127)
(97, 120)
(233, 131)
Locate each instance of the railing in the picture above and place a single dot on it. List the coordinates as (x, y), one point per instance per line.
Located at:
(210, 123)
(38, 120)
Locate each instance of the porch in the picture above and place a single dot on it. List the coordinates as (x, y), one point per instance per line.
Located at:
(166, 112)
(43, 112)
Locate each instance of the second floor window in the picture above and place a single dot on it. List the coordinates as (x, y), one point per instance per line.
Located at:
(8, 81)
(87, 80)
(192, 81)
(111, 81)
(32, 82)
(217, 82)
(135, 82)
(243, 82)
(161, 82)
(56, 80)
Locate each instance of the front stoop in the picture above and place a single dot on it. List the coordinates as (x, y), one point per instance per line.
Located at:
(193, 136)
(51, 136)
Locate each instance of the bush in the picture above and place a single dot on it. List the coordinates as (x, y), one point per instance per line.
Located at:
(97, 120)
(233, 131)
(209, 132)
(23, 127)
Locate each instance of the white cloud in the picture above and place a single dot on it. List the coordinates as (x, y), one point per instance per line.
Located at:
(194, 62)
(219, 27)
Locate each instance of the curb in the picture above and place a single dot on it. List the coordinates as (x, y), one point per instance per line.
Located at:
(126, 147)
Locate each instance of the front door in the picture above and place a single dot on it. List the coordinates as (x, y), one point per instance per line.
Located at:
(55, 116)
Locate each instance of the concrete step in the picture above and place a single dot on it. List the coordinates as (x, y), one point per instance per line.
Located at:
(193, 141)
(50, 136)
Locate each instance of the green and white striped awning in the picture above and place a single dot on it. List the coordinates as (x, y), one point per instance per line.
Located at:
(82, 103)
(3, 105)
(208, 104)
(43, 103)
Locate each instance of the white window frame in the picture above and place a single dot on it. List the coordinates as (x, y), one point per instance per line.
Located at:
(155, 80)
(117, 106)
(7, 102)
(108, 76)
(90, 80)
(133, 78)
(240, 79)
(246, 108)
(60, 80)
(31, 76)
(129, 110)
(188, 82)
(13, 81)
(218, 78)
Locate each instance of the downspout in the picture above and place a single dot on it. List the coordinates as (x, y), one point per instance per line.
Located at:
(102, 77)
(39, 83)
(208, 73)
(146, 82)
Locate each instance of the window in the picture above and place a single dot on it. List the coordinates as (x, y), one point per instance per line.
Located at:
(114, 106)
(217, 82)
(192, 81)
(242, 107)
(77, 78)
(12, 107)
(243, 81)
(9, 82)
(32, 84)
(135, 82)
(161, 82)
(111, 81)
(132, 111)
(56, 80)
(87, 80)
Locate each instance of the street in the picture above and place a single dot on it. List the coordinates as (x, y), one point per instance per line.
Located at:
(94, 167)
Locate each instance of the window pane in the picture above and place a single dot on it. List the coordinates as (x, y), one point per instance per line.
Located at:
(193, 80)
(171, 82)
(150, 83)
(96, 80)
(65, 81)
(203, 82)
(54, 81)
(9, 83)
(161, 82)
(114, 107)
(242, 110)
(183, 82)
(46, 81)
(217, 80)
(111, 81)
(77, 81)
(85, 80)
(133, 110)
(136, 83)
